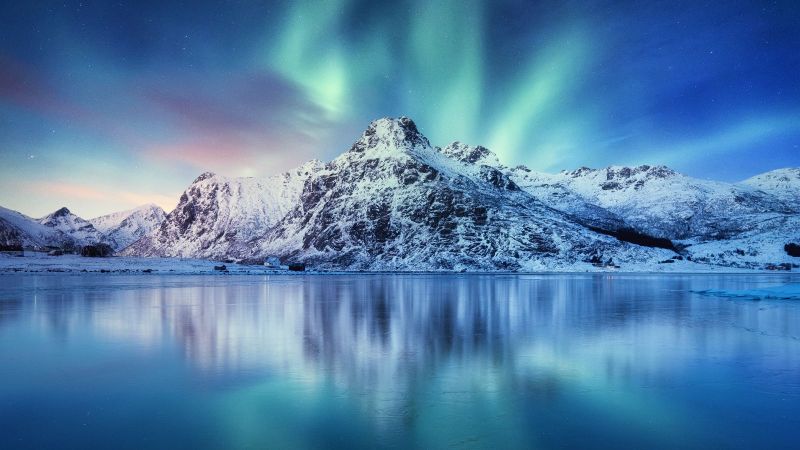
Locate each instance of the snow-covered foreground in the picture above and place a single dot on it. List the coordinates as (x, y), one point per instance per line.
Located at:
(37, 262)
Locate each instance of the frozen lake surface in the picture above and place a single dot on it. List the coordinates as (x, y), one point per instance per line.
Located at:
(427, 361)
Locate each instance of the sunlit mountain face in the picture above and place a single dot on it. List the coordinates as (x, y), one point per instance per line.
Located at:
(108, 105)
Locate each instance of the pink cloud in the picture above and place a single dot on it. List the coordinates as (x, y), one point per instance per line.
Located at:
(23, 87)
(69, 190)
(202, 152)
(166, 202)
(243, 124)
(234, 154)
(71, 194)
(249, 102)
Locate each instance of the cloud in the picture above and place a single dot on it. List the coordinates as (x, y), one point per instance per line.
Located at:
(741, 134)
(250, 102)
(238, 124)
(166, 202)
(74, 195)
(206, 152)
(230, 123)
(66, 189)
(23, 87)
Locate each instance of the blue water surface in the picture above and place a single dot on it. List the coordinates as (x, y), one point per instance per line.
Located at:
(399, 361)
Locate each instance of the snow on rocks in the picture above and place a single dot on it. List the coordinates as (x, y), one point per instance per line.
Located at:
(17, 229)
(393, 201)
(782, 183)
(216, 214)
(125, 227)
(79, 229)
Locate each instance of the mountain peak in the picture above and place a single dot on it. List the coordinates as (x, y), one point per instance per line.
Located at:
(785, 174)
(204, 176)
(148, 208)
(623, 172)
(653, 171)
(782, 183)
(310, 167)
(388, 123)
(471, 154)
(63, 211)
(390, 132)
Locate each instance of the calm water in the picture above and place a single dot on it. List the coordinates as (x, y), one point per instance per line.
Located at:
(396, 361)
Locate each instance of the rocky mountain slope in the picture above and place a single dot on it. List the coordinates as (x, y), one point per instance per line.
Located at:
(738, 225)
(64, 230)
(123, 228)
(744, 225)
(395, 202)
(217, 213)
(80, 230)
(391, 202)
(543, 187)
(661, 202)
(654, 200)
(782, 183)
(19, 230)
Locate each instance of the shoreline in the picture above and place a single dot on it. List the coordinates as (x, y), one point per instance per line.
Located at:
(76, 265)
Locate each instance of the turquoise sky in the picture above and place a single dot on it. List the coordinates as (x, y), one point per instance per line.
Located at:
(107, 105)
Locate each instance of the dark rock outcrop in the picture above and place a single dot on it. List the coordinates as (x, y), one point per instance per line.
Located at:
(98, 250)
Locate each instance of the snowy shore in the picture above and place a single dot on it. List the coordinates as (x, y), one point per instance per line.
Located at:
(43, 263)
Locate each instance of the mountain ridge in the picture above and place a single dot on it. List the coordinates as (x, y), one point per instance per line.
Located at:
(392, 201)
(123, 228)
(394, 161)
(64, 230)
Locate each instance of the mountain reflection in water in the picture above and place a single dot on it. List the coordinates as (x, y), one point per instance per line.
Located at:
(422, 360)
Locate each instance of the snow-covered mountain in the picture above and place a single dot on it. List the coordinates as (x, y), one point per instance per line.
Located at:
(63, 229)
(120, 229)
(391, 202)
(543, 187)
(661, 202)
(759, 247)
(17, 229)
(782, 183)
(738, 225)
(217, 213)
(657, 201)
(394, 202)
(77, 228)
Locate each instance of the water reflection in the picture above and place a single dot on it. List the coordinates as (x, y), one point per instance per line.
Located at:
(448, 360)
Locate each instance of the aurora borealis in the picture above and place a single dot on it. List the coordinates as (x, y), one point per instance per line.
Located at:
(106, 105)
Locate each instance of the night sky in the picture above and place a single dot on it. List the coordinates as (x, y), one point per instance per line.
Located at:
(107, 105)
